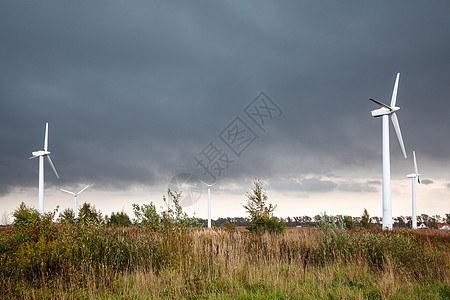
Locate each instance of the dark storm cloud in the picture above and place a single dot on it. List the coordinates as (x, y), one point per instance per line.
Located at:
(374, 182)
(134, 90)
(426, 181)
(357, 187)
(316, 185)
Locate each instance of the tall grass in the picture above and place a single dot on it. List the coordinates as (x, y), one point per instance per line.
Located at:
(51, 260)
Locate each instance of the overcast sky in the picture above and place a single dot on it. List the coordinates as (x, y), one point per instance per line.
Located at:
(136, 92)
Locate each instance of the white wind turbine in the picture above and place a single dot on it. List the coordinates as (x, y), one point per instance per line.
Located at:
(415, 178)
(75, 195)
(41, 154)
(385, 111)
(209, 198)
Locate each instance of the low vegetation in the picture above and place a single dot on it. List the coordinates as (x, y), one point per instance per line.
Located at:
(261, 213)
(169, 256)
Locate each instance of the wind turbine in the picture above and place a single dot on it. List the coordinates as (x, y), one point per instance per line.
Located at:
(75, 198)
(209, 198)
(41, 154)
(415, 178)
(385, 111)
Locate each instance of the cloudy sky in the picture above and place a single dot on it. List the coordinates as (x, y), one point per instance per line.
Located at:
(136, 92)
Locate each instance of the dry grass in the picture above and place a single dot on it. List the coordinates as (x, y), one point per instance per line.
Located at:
(302, 263)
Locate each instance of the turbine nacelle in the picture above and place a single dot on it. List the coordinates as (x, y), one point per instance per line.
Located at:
(39, 153)
(412, 175)
(384, 111)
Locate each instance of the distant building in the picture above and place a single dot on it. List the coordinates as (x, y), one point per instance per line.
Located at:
(422, 226)
(444, 226)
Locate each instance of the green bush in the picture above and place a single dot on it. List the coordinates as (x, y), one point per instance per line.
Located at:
(25, 215)
(261, 213)
(366, 221)
(171, 220)
(119, 219)
(272, 224)
(378, 248)
(67, 216)
(88, 214)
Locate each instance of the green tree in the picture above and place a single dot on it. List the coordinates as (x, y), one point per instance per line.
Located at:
(400, 221)
(433, 222)
(146, 215)
(25, 215)
(307, 219)
(173, 219)
(67, 216)
(326, 221)
(408, 221)
(256, 202)
(261, 212)
(119, 219)
(366, 221)
(425, 219)
(88, 214)
(376, 220)
(348, 222)
(438, 218)
(317, 219)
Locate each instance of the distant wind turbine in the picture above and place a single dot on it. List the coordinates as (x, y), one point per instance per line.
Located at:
(385, 111)
(415, 178)
(209, 199)
(75, 198)
(41, 154)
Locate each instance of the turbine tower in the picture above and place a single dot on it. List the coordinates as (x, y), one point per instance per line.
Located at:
(41, 154)
(385, 111)
(209, 199)
(75, 199)
(415, 177)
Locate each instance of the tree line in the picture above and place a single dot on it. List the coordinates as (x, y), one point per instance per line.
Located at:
(261, 216)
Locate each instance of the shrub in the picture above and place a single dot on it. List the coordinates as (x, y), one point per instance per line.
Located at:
(67, 216)
(25, 215)
(173, 219)
(348, 223)
(261, 213)
(88, 214)
(366, 221)
(119, 219)
(272, 224)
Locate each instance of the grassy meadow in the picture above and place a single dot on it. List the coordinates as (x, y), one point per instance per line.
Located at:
(46, 260)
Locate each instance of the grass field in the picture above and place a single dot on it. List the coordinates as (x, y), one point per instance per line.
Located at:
(63, 261)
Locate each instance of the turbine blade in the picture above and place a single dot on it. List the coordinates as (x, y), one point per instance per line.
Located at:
(83, 189)
(66, 191)
(415, 163)
(394, 92)
(51, 164)
(380, 103)
(32, 157)
(418, 179)
(218, 181)
(46, 137)
(399, 133)
(201, 181)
